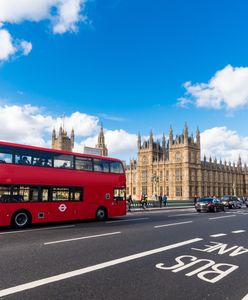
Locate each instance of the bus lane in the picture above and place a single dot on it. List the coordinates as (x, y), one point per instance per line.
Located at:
(216, 267)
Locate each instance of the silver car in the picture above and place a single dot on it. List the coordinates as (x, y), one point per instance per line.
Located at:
(229, 201)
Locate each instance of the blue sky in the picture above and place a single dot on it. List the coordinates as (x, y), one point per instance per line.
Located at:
(127, 63)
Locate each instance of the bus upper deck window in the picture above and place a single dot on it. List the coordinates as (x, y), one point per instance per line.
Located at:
(116, 167)
(63, 161)
(83, 163)
(101, 165)
(6, 156)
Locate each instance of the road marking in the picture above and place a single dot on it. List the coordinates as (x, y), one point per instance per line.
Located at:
(40, 229)
(218, 234)
(47, 280)
(82, 238)
(238, 231)
(245, 297)
(222, 217)
(181, 215)
(128, 220)
(173, 224)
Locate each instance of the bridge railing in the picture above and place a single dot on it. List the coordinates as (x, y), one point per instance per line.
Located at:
(156, 203)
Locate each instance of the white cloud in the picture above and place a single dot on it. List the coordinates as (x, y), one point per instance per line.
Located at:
(227, 88)
(6, 45)
(30, 125)
(83, 124)
(63, 14)
(68, 16)
(220, 142)
(26, 47)
(10, 47)
(120, 143)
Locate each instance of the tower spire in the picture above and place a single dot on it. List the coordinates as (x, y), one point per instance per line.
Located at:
(139, 141)
(171, 136)
(151, 140)
(185, 133)
(101, 142)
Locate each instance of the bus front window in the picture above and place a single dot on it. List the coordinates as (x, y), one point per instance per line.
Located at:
(119, 194)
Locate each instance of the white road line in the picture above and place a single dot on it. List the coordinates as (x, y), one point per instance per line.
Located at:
(82, 238)
(181, 215)
(40, 229)
(245, 297)
(47, 280)
(238, 231)
(127, 220)
(173, 224)
(222, 217)
(217, 234)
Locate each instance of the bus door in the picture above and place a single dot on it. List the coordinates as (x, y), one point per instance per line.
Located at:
(66, 203)
(119, 203)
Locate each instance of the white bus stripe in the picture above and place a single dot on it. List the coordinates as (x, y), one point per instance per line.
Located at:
(56, 278)
(173, 224)
(82, 238)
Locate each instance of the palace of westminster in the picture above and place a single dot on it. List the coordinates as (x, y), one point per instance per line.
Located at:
(173, 167)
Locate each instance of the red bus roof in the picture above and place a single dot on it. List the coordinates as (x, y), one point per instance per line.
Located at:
(56, 151)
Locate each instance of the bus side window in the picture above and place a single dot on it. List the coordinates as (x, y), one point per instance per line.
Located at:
(83, 163)
(60, 194)
(44, 194)
(76, 194)
(116, 167)
(20, 194)
(23, 159)
(5, 194)
(34, 194)
(101, 165)
(63, 161)
(6, 158)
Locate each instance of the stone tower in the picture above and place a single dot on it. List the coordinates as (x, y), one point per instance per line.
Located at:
(62, 141)
(172, 167)
(101, 143)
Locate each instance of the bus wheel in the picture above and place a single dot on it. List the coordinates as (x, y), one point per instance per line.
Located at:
(101, 214)
(21, 219)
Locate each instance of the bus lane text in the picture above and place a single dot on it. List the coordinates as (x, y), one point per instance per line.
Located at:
(207, 269)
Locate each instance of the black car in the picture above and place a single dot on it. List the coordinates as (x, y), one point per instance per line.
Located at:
(230, 201)
(209, 204)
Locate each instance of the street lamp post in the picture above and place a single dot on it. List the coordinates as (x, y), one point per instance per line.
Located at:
(155, 180)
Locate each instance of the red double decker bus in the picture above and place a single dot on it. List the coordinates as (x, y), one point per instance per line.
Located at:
(44, 185)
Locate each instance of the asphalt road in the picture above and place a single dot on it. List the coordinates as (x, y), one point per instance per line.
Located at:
(176, 254)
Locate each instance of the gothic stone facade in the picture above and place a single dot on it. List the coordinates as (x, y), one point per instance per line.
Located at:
(175, 168)
(62, 141)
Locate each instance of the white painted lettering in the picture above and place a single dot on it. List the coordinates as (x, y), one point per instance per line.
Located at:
(238, 251)
(208, 247)
(222, 249)
(179, 261)
(209, 264)
(215, 269)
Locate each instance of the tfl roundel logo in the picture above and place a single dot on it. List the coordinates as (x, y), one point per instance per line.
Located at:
(62, 207)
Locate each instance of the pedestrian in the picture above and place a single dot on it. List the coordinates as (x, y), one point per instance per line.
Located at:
(142, 201)
(130, 202)
(164, 200)
(160, 198)
(195, 200)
